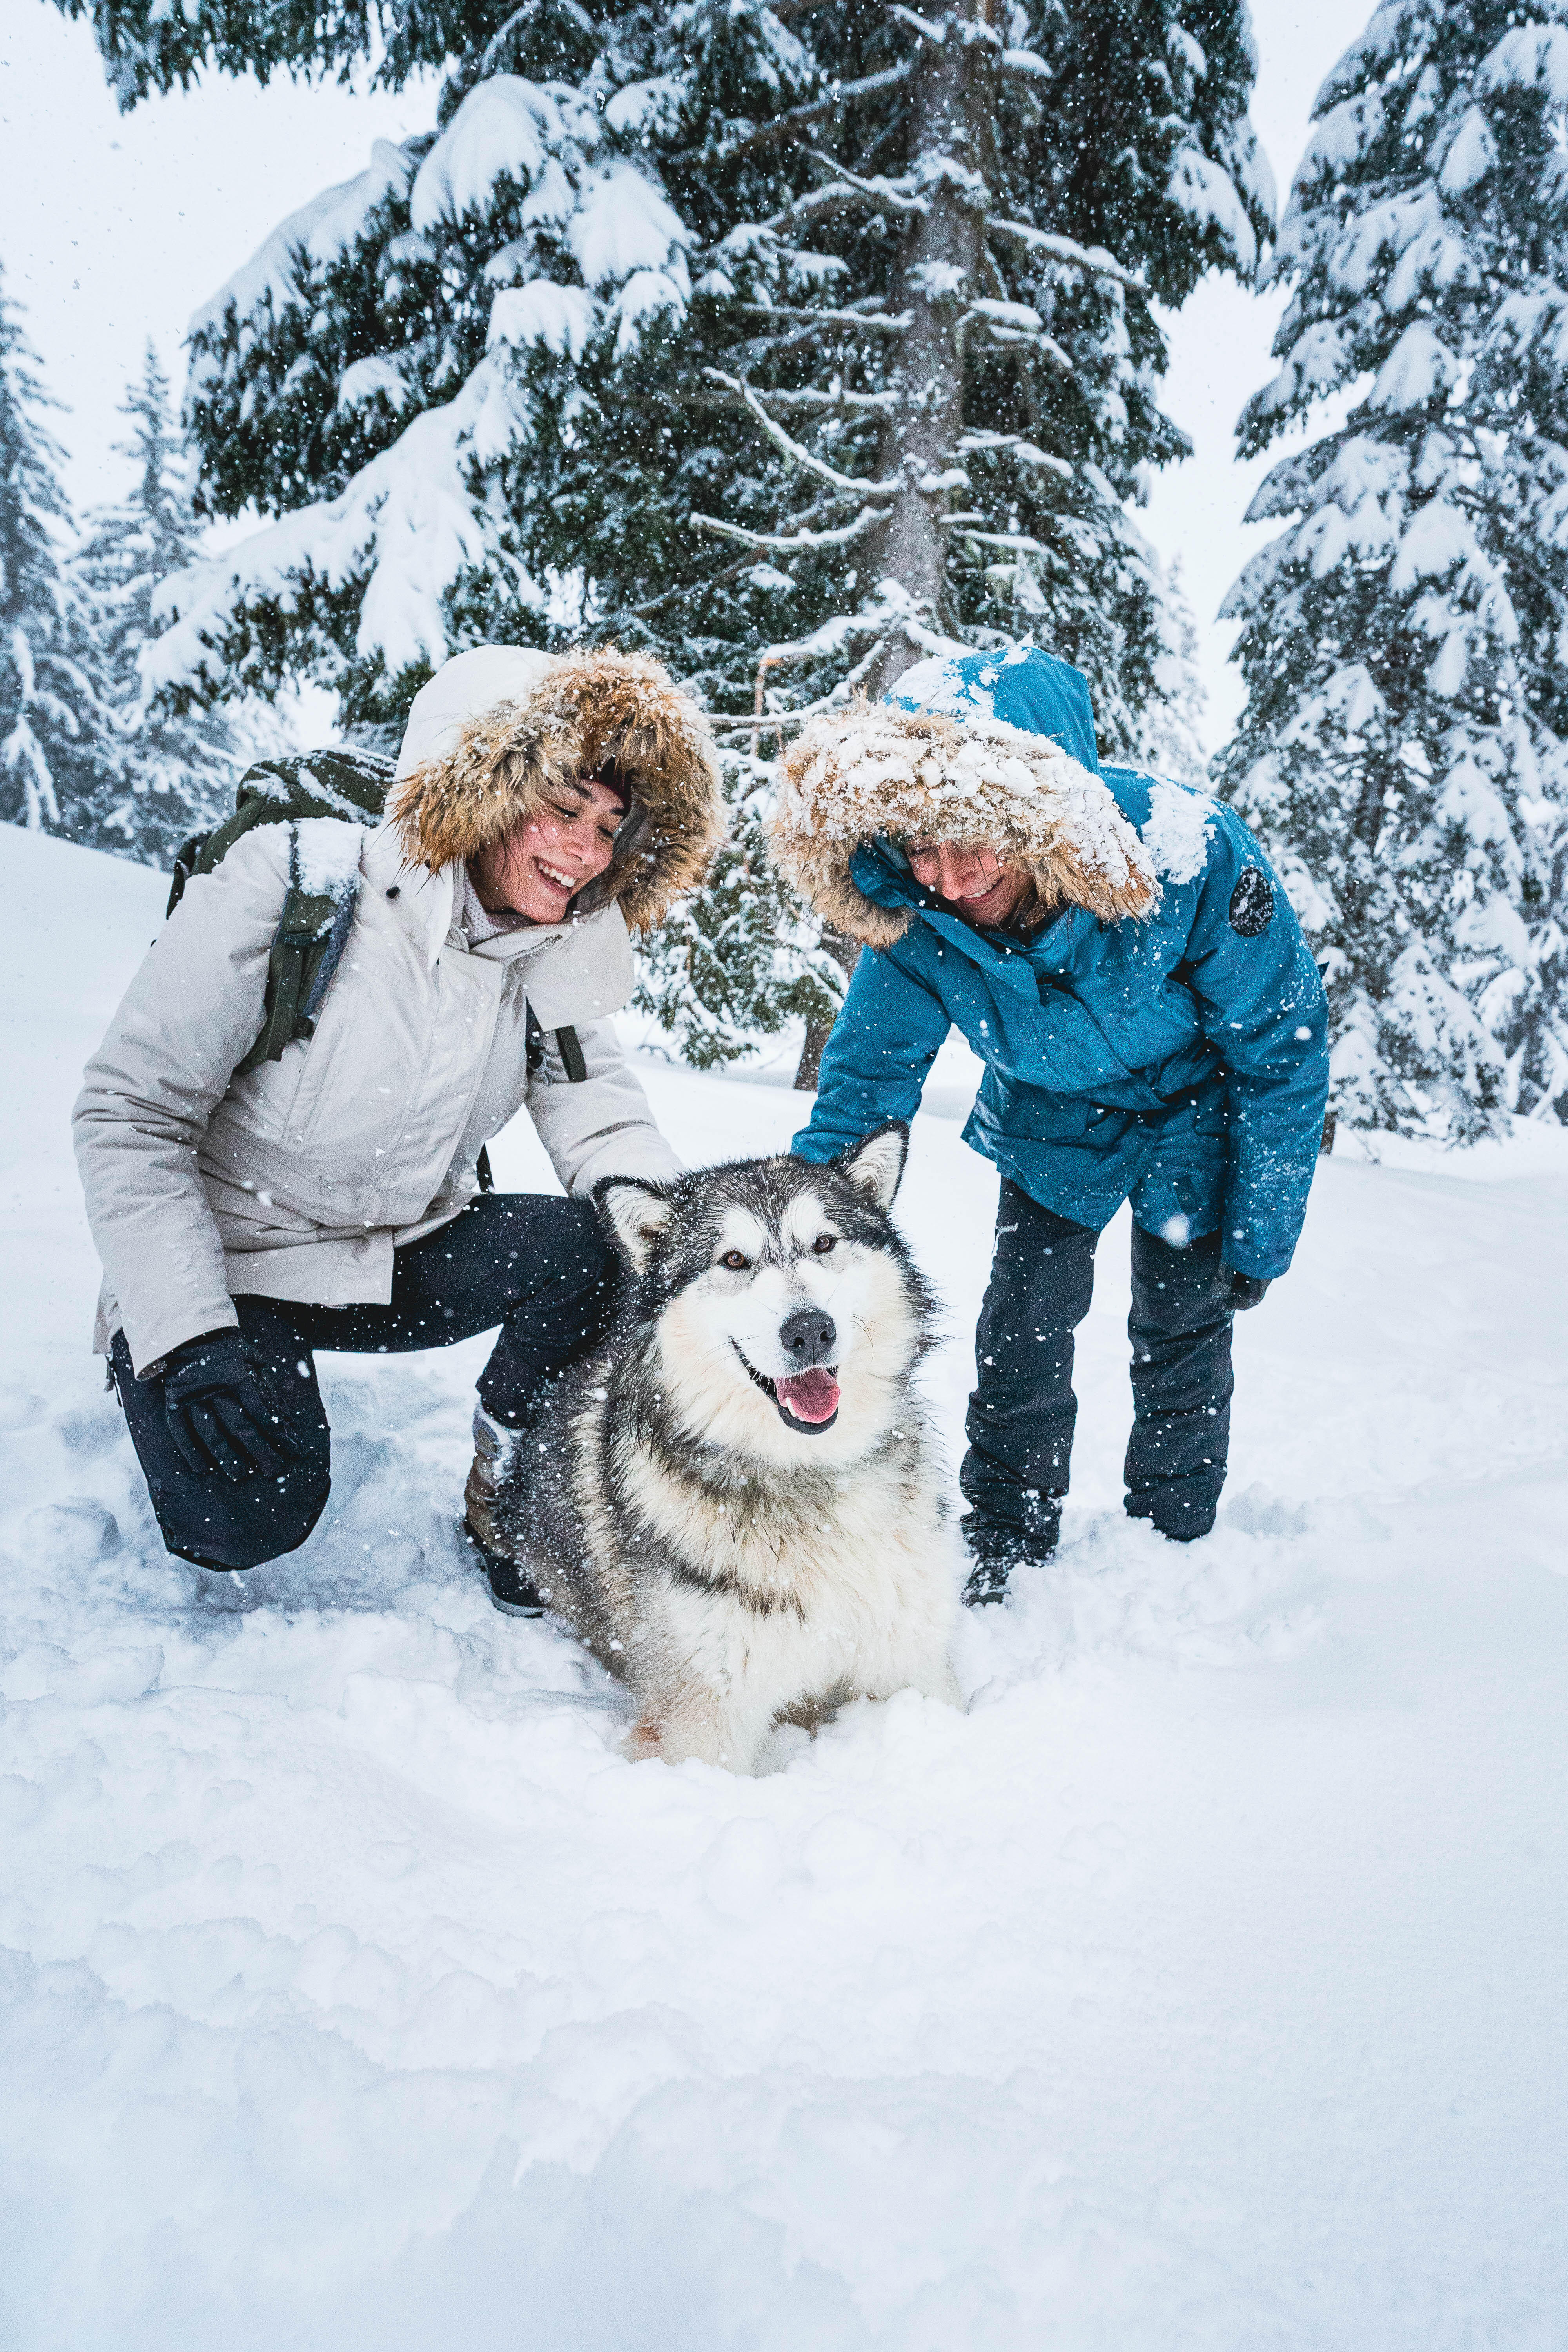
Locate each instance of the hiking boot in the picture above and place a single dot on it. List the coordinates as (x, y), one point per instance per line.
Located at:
(1180, 1519)
(996, 1553)
(495, 1447)
(986, 1582)
(512, 1589)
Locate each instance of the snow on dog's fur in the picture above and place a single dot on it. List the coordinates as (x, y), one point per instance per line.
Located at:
(736, 1503)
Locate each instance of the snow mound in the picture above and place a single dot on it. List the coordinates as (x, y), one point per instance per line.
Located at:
(1200, 1988)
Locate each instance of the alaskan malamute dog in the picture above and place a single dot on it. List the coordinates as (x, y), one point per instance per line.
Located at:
(735, 1503)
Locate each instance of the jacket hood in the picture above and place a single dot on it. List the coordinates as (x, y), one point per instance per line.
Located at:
(993, 748)
(499, 728)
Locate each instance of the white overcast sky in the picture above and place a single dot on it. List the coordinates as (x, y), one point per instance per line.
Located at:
(113, 228)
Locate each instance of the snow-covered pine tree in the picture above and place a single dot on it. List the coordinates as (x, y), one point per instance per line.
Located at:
(1170, 723)
(171, 775)
(51, 723)
(1404, 642)
(788, 341)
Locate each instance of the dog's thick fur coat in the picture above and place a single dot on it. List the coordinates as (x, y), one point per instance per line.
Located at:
(733, 1566)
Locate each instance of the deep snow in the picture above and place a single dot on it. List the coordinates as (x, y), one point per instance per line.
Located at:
(1203, 1986)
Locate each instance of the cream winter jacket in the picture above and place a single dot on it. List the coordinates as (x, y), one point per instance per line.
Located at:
(299, 1180)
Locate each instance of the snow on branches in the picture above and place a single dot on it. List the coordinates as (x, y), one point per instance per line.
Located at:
(789, 343)
(1404, 639)
(51, 713)
(417, 524)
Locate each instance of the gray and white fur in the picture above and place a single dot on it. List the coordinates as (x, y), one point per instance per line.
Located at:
(735, 1564)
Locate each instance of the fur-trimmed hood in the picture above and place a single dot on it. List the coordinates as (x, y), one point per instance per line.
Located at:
(941, 762)
(498, 727)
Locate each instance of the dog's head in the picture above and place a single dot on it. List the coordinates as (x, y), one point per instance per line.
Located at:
(786, 1308)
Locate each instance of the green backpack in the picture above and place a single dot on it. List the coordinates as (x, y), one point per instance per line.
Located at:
(313, 927)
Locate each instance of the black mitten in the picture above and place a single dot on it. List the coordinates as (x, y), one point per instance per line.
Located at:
(1237, 1291)
(222, 1415)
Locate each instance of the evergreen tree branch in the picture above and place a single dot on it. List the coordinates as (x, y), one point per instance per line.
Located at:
(1019, 541)
(810, 649)
(881, 322)
(837, 403)
(846, 192)
(645, 611)
(786, 126)
(799, 543)
(922, 26)
(1064, 248)
(495, 47)
(847, 483)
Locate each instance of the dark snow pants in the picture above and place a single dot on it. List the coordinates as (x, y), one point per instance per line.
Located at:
(1023, 1408)
(539, 1267)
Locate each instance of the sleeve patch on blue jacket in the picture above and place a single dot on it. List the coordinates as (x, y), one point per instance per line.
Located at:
(1252, 903)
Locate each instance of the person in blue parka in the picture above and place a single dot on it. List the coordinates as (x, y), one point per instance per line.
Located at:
(1121, 956)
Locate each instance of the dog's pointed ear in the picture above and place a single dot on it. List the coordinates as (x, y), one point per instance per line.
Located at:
(876, 1166)
(636, 1214)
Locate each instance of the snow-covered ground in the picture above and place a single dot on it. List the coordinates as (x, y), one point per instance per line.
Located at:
(1203, 1986)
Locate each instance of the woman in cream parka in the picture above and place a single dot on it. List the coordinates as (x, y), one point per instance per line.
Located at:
(544, 809)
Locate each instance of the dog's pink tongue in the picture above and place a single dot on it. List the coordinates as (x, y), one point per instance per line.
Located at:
(810, 1396)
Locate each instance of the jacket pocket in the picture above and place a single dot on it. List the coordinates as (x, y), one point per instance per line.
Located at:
(1033, 1114)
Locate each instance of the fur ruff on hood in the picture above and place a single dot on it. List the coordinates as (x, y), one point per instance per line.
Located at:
(586, 711)
(916, 775)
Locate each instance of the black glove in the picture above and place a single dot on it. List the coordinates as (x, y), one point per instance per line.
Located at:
(1235, 1291)
(220, 1413)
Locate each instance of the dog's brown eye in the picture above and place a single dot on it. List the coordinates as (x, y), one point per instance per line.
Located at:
(823, 1242)
(736, 1260)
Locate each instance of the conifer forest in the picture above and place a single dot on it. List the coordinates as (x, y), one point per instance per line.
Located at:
(794, 343)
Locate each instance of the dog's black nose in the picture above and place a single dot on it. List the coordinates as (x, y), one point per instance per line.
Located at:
(809, 1337)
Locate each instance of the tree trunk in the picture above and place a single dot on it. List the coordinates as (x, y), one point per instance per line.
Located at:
(846, 954)
(935, 281)
(935, 278)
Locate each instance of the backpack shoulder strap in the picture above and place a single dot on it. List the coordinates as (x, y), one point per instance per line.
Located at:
(307, 947)
(567, 1045)
(313, 927)
(185, 865)
(571, 1052)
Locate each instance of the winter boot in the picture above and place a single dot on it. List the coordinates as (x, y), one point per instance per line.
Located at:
(995, 1551)
(495, 1447)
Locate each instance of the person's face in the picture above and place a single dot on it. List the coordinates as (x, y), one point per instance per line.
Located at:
(539, 869)
(969, 879)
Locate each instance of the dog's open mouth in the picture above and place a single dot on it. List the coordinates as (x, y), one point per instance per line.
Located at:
(807, 1401)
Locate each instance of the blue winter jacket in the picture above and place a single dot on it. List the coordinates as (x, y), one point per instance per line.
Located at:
(1178, 1058)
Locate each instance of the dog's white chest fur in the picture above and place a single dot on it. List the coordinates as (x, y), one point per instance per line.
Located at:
(737, 1503)
(788, 1606)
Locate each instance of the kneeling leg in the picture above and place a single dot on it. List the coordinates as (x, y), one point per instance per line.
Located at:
(203, 1516)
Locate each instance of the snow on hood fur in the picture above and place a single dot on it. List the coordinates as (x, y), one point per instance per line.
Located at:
(499, 728)
(921, 775)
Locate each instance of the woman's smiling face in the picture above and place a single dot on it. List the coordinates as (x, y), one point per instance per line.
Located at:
(970, 879)
(539, 869)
